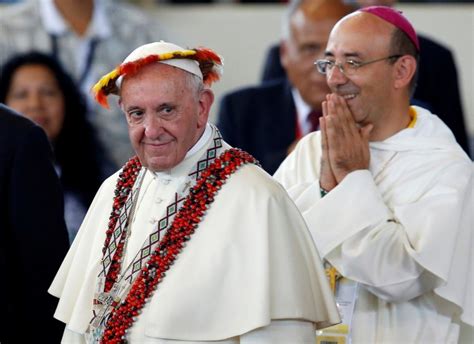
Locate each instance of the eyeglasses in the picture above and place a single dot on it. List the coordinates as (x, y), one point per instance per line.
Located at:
(348, 67)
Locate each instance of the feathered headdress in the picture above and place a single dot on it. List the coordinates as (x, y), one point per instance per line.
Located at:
(202, 62)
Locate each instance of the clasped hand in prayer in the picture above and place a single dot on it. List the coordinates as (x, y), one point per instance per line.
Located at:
(345, 143)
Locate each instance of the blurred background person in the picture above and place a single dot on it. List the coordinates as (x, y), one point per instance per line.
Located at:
(436, 67)
(87, 37)
(267, 120)
(36, 86)
(33, 236)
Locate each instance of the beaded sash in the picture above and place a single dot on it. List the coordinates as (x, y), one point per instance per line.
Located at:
(120, 297)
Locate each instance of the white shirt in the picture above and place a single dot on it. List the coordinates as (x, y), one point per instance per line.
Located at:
(99, 28)
(302, 112)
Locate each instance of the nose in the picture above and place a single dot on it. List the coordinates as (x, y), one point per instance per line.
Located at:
(335, 77)
(153, 126)
(34, 101)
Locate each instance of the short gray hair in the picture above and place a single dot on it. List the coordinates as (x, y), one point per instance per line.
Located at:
(401, 44)
(194, 83)
(293, 6)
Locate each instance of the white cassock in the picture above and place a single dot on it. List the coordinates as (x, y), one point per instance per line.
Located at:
(250, 273)
(402, 229)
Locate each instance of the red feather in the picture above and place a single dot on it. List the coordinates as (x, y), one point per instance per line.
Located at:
(204, 54)
(132, 67)
(101, 98)
(209, 63)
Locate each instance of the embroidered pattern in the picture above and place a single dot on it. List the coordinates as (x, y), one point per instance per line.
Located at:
(155, 237)
(210, 156)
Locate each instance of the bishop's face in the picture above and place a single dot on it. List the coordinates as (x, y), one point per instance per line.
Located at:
(166, 113)
(368, 91)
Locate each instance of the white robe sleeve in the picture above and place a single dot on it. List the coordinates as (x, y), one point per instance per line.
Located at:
(366, 242)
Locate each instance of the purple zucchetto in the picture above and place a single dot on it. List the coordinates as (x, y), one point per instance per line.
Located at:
(395, 18)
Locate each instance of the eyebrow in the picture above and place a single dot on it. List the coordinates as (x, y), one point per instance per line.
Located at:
(166, 104)
(133, 107)
(346, 55)
(312, 45)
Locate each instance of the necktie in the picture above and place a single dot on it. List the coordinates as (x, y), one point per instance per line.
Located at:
(313, 119)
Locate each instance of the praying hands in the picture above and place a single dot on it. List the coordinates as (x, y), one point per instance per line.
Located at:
(345, 145)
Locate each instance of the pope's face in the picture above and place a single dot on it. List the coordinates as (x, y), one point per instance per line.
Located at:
(166, 111)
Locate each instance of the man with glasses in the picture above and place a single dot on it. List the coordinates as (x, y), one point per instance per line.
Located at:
(267, 120)
(385, 190)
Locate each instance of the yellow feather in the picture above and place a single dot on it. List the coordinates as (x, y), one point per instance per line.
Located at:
(104, 81)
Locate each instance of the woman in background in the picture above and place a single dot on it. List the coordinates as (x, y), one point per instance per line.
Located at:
(35, 85)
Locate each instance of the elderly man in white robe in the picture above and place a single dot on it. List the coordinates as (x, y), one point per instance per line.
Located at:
(386, 191)
(190, 241)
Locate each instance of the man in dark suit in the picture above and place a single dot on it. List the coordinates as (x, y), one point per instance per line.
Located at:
(437, 86)
(268, 120)
(33, 235)
(261, 120)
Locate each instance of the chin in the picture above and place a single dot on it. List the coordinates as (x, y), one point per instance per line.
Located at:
(157, 164)
(162, 163)
(159, 167)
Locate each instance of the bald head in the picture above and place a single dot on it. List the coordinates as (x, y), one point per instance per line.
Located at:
(313, 10)
(324, 9)
(364, 3)
(366, 28)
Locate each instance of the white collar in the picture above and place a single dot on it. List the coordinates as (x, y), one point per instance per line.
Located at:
(54, 22)
(429, 133)
(302, 111)
(201, 142)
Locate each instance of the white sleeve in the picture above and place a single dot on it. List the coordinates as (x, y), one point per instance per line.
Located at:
(397, 254)
(282, 332)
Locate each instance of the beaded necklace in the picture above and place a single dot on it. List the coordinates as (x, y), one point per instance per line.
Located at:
(183, 226)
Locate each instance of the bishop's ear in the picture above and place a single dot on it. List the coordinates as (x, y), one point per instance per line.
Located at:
(405, 69)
